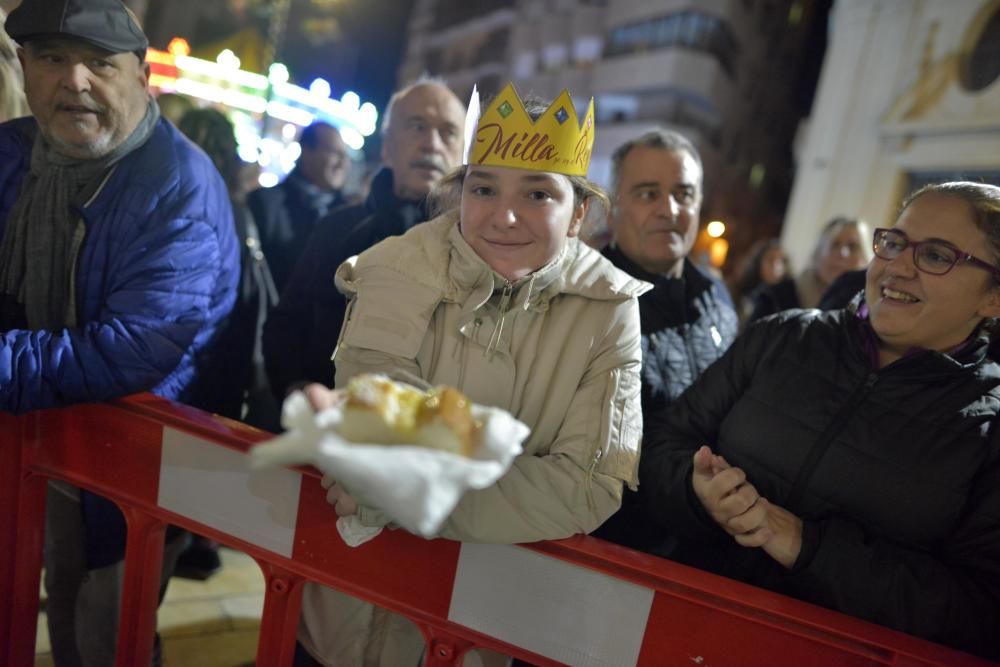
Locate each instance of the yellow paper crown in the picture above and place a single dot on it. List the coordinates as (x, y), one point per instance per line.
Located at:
(504, 135)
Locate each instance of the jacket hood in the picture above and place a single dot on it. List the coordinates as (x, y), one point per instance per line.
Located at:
(436, 256)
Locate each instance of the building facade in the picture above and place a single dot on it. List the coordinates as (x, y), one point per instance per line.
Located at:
(909, 94)
(727, 73)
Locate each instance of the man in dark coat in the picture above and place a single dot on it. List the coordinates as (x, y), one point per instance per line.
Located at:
(687, 319)
(422, 141)
(286, 214)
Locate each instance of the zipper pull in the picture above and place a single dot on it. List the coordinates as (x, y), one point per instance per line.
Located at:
(508, 289)
(588, 484)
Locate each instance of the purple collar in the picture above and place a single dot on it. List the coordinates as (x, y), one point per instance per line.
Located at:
(870, 341)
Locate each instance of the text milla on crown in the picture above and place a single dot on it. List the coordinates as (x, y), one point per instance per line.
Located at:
(530, 147)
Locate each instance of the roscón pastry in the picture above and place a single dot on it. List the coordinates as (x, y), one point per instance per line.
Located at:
(380, 411)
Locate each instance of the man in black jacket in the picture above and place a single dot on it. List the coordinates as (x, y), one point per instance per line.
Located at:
(687, 319)
(287, 214)
(422, 141)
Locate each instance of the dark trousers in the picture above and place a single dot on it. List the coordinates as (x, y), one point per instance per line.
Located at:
(83, 605)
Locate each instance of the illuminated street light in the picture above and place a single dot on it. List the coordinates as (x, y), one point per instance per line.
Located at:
(179, 47)
(351, 100)
(228, 59)
(277, 73)
(320, 88)
(715, 229)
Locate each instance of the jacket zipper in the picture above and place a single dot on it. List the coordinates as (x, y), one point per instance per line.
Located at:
(508, 289)
(822, 444)
(343, 328)
(73, 307)
(465, 353)
(589, 484)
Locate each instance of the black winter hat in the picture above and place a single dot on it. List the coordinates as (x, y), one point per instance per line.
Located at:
(103, 23)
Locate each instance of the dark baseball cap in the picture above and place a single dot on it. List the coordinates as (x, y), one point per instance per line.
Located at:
(103, 23)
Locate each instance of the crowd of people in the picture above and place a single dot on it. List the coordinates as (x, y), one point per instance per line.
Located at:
(830, 435)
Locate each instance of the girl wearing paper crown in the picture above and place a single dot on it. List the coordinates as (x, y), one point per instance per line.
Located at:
(499, 298)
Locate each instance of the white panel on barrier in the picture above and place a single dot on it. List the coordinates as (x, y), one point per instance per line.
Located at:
(212, 485)
(562, 611)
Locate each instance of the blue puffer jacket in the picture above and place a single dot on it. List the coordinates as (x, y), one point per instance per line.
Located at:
(156, 275)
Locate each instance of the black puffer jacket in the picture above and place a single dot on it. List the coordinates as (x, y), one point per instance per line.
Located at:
(686, 324)
(286, 216)
(895, 473)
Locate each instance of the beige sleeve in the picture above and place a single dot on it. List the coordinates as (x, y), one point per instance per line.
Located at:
(578, 484)
(386, 320)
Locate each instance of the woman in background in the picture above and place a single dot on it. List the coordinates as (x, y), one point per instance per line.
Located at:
(842, 246)
(239, 382)
(766, 265)
(242, 392)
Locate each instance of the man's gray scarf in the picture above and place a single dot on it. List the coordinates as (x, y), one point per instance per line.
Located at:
(44, 231)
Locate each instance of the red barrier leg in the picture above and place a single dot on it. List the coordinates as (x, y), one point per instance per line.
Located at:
(10, 491)
(140, 588)
(280, 620)
(27, 551)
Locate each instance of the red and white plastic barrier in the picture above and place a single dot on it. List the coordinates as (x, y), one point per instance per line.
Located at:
(579, 601)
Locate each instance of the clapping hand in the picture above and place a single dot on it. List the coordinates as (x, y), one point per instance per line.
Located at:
(730, 499)
(739, 509)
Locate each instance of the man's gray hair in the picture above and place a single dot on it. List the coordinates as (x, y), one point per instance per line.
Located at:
(422, 80)
(667, 140)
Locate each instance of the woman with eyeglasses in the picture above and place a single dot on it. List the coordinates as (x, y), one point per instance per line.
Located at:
(848, 457)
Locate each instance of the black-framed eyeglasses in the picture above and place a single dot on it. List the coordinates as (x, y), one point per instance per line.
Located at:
(934, 257)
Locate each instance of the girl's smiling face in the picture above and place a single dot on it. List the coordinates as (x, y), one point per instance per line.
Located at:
(518, 220)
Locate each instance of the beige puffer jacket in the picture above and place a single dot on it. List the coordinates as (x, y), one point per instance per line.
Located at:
(558, 349)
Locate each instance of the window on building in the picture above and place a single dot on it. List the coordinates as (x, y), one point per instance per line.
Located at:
(587, 49)
(982, 64)
(452, 12)
(524, 65)
(494, 48)
(918, 179)
(612, 108)
(554, 56)
(690, 29)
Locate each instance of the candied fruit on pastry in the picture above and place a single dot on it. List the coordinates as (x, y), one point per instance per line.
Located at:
(380, 411)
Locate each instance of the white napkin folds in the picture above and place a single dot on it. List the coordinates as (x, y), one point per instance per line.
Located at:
(416, 487)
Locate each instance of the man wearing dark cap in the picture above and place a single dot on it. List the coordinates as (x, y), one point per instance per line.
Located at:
(118, 262)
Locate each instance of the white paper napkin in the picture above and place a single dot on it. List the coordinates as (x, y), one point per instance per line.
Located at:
(414, 486)
(353, 532)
